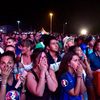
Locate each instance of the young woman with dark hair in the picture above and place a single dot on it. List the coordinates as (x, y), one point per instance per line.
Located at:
(71, 84)
(87, 71)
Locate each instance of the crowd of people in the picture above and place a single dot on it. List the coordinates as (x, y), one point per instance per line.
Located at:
(58, 67)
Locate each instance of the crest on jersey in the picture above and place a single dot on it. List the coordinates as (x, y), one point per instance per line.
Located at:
(64, 82)
(12, 95)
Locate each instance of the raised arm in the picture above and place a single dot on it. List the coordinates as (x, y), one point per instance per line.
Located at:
(51, 80)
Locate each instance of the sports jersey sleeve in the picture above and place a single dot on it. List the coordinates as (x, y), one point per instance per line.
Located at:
(66, 83)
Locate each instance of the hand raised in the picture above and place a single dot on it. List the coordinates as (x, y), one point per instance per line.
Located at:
(5, 72)
(43, 65)
(79, 70)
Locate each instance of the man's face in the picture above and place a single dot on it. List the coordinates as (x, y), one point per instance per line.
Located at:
(54, 45)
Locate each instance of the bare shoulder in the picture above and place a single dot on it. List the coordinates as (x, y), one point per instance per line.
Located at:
(30, 75)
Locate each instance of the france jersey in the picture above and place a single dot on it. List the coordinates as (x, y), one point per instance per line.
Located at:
(66, 83)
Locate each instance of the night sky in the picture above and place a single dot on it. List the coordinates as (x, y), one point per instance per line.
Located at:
(34, 14)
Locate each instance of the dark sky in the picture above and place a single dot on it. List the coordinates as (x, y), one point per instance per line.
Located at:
(35, 14)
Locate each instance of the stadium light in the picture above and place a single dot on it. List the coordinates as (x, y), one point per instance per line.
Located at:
(83, 32)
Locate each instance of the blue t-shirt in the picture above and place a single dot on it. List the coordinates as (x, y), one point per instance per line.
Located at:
(66, 83)
(94, 61)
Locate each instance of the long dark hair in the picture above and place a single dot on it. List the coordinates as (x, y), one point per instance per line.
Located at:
(63, 68)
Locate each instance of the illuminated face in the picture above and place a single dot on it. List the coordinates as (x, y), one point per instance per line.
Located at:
(6, 61)
(74, 62)
(54, 45)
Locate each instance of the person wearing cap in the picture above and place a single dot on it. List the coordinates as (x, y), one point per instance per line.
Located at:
(68, 42)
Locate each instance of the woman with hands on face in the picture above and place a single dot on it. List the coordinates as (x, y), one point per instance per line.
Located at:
(83, 59)
(41, 81)
(88, 73)
(7, 85)
(71, 84)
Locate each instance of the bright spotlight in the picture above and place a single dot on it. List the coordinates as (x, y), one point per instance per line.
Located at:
(83, 32)
(51, 14)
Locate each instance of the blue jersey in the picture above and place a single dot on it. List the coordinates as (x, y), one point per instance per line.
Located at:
(66, 83)
(94, 61)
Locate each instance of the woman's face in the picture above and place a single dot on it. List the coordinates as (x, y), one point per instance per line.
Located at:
(74, 62)
(42, 60)
(6, 61)
(79, 52)
(25, 49)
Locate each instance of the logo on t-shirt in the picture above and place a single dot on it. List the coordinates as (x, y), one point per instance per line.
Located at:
(12, 95)
(64, 83)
